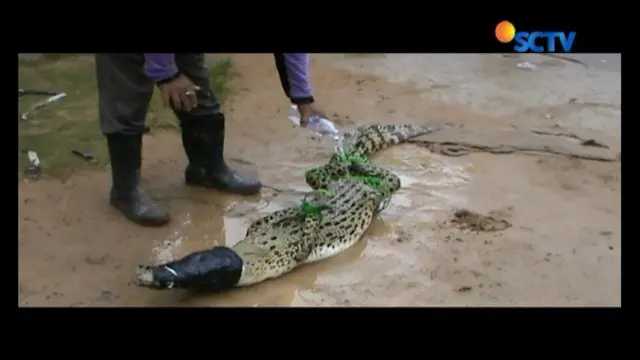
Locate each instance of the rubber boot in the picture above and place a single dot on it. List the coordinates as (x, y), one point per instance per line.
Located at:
(125, 152)
(203, 141)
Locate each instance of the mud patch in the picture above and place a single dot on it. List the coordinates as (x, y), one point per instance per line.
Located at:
(400, 236)
(468, 220)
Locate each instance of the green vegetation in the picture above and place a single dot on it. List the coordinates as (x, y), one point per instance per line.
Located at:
(72, 123)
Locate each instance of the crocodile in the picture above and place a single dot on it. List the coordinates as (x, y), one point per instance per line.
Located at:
(277, 243)
(349, 192)
(367, 140)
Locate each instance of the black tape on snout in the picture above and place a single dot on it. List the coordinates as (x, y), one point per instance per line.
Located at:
(216, 269)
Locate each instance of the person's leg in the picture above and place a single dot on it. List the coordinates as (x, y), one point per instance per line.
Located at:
(124, 93)
(203, 135)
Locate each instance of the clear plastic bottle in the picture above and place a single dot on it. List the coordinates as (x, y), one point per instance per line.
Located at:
(316, 123)
(320, 125)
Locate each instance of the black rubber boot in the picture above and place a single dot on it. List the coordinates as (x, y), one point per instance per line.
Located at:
(125, 152)
(203, 141)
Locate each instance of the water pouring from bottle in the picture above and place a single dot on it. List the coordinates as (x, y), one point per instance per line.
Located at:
(320, 125)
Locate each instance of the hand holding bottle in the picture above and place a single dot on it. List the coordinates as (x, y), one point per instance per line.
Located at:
(310, 117)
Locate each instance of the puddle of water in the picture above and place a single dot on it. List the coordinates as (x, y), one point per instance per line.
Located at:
(234, 230)
(431, 184)
(198, 228)
(164, 251)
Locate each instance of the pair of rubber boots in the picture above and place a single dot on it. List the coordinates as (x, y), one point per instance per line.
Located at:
(203, 141)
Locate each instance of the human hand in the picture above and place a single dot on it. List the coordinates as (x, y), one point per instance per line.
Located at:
(180, 93)
(307, 111)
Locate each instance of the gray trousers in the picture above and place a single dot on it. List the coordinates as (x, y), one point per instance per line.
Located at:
(124, 90)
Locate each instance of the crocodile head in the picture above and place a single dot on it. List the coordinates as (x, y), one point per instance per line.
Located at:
(216, 269)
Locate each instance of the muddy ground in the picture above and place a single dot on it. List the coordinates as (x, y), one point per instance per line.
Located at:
(561, 246)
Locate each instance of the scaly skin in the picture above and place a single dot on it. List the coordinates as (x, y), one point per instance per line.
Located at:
(369, 140)
(276, 244)
(349, 207)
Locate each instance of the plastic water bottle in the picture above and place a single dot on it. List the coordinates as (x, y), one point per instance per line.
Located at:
(319, 125)
(34, 164)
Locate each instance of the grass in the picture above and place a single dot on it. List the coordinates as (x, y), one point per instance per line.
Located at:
(70, 124)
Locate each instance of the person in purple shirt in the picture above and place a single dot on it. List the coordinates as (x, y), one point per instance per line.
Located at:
(125, 86)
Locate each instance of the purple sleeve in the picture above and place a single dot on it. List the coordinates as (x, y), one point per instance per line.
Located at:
(159, 66)
(297, 68)
(294, 76)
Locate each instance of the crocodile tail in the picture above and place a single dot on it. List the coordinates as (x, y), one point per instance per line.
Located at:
(373, 138)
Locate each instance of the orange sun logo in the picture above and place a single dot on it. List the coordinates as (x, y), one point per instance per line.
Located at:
(505, 31)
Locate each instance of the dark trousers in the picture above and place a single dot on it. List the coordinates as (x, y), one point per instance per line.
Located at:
(124, 90)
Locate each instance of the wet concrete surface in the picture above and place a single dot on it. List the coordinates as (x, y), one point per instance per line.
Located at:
(563, 247)
(603, 62)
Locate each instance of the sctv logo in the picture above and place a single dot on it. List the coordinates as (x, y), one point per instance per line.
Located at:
(535, 41)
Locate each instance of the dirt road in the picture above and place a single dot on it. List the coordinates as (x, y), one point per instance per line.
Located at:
(563, 246)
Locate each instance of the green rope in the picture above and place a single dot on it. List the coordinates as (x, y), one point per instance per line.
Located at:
(353, 159)
(371, 181)
(310, 208)
(325, 192)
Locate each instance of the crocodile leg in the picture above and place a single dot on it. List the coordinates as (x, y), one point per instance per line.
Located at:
(308, 238)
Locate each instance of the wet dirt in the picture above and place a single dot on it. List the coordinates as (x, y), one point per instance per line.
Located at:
(466, 219)
(563, 246)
